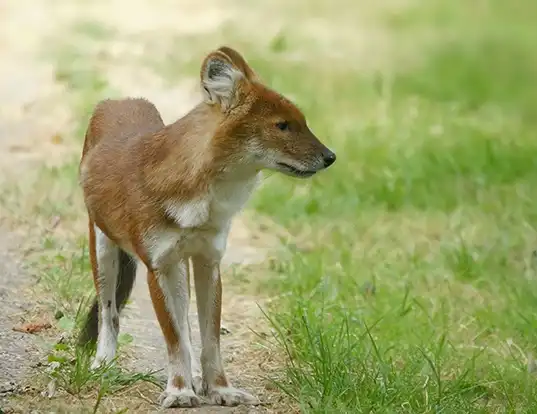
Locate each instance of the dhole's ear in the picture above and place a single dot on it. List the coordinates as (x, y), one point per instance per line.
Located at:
(220, 80)
(222, 74)
(239, 62)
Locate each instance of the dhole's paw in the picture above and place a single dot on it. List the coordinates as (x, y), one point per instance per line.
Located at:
(100, 361)
(97, 362)
(231, 396)
(179, 398)
(199, 386)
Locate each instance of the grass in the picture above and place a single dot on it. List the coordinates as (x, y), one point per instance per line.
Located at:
(430, 203)
(69, 370)
(411, 285)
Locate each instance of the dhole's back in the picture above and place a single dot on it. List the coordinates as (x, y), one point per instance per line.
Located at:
(120, 119)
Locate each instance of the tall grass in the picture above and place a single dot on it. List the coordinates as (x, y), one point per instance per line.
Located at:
(417, 292)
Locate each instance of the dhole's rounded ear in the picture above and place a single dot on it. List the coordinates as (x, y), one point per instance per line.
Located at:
(222, 73)
(239, 62)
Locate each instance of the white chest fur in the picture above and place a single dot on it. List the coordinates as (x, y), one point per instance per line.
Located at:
(202, 224)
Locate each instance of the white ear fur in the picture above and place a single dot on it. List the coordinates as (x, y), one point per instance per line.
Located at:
(219, 81)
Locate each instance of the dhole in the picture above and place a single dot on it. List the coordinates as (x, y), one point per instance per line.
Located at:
(167, 194)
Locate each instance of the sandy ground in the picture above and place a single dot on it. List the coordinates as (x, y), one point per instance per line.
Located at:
(32, 123)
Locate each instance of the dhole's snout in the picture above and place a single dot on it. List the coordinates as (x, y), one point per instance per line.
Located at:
(309, 163)
(328, 158)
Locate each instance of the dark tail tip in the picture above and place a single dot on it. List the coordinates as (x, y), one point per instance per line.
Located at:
(90, 330)
(126, 276)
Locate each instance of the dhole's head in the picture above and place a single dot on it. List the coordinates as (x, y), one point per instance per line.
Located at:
(265, 128)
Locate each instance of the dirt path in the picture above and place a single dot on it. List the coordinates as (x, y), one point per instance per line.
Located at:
(32, 122)
(34, 125)
(17, 350)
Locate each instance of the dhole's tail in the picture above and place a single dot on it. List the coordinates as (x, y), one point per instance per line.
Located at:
(125, 282)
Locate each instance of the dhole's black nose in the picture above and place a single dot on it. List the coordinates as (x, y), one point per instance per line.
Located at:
(329, 158)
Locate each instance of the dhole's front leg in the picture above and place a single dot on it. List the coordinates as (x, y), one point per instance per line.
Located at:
(209, 300)
(169, 293)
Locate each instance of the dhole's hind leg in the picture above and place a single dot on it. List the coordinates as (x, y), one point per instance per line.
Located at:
(169, 293)
(105, 276)
(209, 299)
(197, 381)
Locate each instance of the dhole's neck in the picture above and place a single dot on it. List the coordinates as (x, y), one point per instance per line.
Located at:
(186, 162)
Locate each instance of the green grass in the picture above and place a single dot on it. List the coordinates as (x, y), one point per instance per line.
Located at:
(69, 371)
(431, 202)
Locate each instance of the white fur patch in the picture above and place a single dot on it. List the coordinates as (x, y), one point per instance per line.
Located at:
(202, 224)
(229, 197)
(219, 82)
(193, 213)
(107, 339)
(163, 247)
(219, 243)
(231, 396)
(107, 265)
(167, 247)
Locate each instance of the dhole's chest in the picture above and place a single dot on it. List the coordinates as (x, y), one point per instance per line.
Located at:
(201, 225)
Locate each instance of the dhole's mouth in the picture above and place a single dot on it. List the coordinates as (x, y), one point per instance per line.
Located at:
(289, 169)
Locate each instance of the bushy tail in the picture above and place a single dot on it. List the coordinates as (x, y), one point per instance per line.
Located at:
(125, 282)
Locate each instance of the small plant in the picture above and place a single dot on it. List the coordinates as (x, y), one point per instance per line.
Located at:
(69, 364)
(69, 369)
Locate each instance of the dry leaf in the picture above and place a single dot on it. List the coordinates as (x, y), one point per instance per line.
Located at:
(32, 327)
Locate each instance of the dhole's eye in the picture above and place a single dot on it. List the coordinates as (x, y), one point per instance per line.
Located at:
(284, 126)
